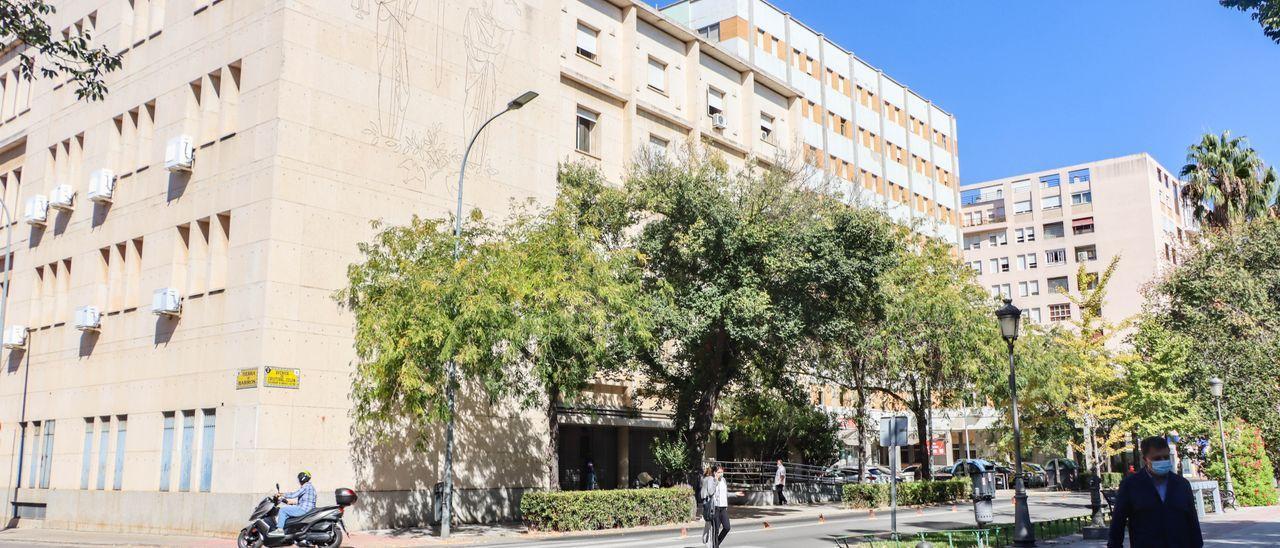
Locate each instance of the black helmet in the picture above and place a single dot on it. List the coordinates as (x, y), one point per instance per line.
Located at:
(304, 476)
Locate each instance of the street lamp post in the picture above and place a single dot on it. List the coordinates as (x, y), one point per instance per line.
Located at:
(1215, 386)
(446, 505)
(1023, 534)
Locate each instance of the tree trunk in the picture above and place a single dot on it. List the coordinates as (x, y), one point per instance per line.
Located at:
(926, 471)
(551, 458)
(864, 449)
(922, 431)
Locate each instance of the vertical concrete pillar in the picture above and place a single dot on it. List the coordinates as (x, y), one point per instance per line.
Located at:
(624, 457)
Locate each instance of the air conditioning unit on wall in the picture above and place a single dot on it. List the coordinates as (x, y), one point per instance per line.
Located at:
(179, 154)
(102, 186)
(166, 302)
(37, 210)
(15, 336)
(88, 318)
(718, 121)
(63, 198)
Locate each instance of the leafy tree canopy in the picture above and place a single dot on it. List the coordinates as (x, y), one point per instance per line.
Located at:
(48, 55)
(1265, 12)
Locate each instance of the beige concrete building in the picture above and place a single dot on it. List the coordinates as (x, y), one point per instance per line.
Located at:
(1027, 235)
(239, 158)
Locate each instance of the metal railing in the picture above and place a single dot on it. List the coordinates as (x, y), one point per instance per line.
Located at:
(995, 536)
(747, 475)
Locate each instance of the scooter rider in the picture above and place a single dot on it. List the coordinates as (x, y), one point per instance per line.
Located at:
(304, 500)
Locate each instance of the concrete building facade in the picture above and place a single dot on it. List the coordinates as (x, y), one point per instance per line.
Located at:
(1027, 236)
(307, 120)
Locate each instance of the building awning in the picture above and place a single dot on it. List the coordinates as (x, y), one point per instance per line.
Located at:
(1082, 222)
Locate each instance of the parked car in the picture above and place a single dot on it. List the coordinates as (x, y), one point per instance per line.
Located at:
(1037, 476)
(875, 474)
(939, 472)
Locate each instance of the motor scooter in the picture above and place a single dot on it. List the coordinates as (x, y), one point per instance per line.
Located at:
(321, 527)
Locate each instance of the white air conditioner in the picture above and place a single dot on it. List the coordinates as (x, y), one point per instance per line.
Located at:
(63, 198)
(166, 302)
(718, 121)
(179, 154)
(37, 212)
(15, 336)
(88, 318)
(102, 186)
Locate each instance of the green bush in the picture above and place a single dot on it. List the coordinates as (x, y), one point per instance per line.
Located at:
(1111, 480)
(1251, 472)
(865, 495)
(588, 510)
(870, 495)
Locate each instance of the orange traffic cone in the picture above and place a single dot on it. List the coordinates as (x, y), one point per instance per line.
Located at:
(871, 514)
(766, 525)
(684, 532)
(822, 518)
(953, 507)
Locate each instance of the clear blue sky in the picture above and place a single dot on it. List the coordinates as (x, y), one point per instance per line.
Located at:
(1038, 84)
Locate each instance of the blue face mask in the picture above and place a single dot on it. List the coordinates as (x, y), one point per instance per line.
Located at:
(1161, 467)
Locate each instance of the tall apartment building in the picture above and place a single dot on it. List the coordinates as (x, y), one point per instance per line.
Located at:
(307, 120)
(1027, 235)
(896, 147)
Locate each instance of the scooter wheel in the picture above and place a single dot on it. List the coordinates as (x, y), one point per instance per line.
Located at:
(336, 541)
(248, 538)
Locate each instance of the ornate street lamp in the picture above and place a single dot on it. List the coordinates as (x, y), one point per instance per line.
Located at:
(1215, 387)
(1023, 533)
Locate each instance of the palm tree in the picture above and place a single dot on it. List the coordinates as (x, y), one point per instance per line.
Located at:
(1226, 180)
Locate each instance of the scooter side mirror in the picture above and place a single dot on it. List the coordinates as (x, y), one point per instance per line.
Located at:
(277, 487)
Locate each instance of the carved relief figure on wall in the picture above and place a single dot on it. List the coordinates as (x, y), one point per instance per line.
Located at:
(486, 41)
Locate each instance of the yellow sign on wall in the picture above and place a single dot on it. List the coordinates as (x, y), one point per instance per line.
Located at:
(247, 378)
(279, 377)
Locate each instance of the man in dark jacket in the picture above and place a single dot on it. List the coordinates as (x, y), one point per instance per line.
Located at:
(1155, 504)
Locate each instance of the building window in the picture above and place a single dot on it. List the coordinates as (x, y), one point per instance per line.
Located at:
(1050, 181)
(122, 423)
(1022, 289)
(1058, 285)
(658, 145)
(1027, 262)
(1078, 176)
(1034, 315)
(1081, 198)
(1022, 206)
(586, 131)
(104, 438)
(46, 455)
(657, 74)
(766, 128)
(188, 450)
(1003, 263)
(1034, 287)
(1053, 201)
(588, 41)
(715, 101)
(1086, 253)
(710, 32)
(1053, 230)
(1055, 257)
(976, 266)
(1059, 312)
(166, 452)
(1082, 226)
(208, 423)
(1001, 291)
(973, 242)
(1021, 186)
(1088, 281)
(87, 457)
(1027, 234)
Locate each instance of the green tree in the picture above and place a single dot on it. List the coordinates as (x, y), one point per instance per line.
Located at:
(1042, 389)
(741, 265)
(1155, 397)
(1265, 12)
(1225, 298)
(777, 425)
(532, 310)
(1252, 473)
(48, 56)
(1227, 181)
(938, 332)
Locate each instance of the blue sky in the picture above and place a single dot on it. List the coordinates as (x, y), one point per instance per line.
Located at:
(1040, 84)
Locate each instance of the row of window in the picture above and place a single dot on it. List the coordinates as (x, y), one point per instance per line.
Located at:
(1051, 231)
(1030, 261)
(105, 442)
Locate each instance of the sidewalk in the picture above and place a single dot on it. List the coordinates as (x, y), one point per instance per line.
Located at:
(500, 534)
(1258, 526)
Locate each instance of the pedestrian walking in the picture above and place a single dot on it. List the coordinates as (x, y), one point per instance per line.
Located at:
(1155, 504)
(779, 484)
(721, 501)
(591, 475)
(706, 500)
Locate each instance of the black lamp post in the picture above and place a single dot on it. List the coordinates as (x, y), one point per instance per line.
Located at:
(1023, 533)
(1215, 387)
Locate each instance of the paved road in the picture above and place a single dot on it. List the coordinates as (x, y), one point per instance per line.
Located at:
(1247, 527)
(809, 533)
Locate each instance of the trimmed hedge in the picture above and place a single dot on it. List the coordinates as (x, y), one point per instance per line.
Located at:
(605, 509)
(1111, 480)
(870, 495)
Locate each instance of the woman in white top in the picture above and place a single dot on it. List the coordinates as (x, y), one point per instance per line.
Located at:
(720, 499)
